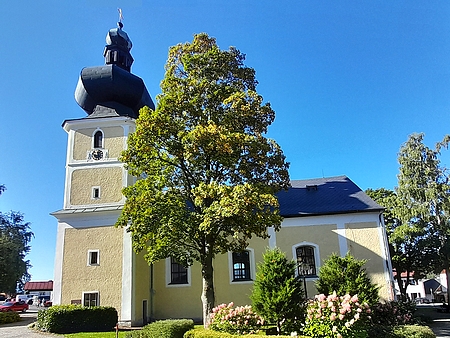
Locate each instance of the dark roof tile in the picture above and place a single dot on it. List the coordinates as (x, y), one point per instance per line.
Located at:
(324, 196)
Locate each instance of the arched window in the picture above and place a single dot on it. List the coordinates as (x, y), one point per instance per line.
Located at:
(306, 261)
(98, 139)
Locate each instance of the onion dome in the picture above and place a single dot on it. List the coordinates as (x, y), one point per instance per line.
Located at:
(111, 90)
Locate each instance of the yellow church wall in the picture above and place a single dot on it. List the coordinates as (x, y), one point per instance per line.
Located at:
(108, 179)
(323, 235)
(112, 138)
(78, 277)
(177, 301)
(141, 282)
(363, 240)
(237, 292)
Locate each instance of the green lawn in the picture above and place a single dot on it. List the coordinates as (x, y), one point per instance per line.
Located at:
(95, 335)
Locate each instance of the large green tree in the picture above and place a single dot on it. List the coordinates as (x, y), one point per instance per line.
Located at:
(15, 236)
(424, 198)
(207, 174)
(408, 241)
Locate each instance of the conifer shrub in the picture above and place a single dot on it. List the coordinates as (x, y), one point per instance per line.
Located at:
(277, 294)
(170, 328)
(76, 318)
(346, 275)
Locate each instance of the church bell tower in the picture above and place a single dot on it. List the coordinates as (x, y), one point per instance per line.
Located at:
(94, 260)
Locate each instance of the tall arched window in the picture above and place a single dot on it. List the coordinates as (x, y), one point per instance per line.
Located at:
(98, 139)
(306, 262)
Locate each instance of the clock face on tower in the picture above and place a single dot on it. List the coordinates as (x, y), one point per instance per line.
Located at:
(97, 154)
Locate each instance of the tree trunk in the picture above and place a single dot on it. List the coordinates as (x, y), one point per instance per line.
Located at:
(401, 286)
(447, 275)
(208, 288)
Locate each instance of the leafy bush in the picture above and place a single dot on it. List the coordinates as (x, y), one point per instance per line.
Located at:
(9, 317)
(413, 331)
(76, 318)
(334, 316)
(171, 328)
(241, 320)
(346, 275)
(393, 313)
(206, 333)
(277, 294)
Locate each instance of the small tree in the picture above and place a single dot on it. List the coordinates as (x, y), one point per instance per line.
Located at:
(346, 275)
(277, 294)
(15, 236)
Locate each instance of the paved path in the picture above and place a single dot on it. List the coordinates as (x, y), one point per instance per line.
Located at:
(441, 327)
(20, 329)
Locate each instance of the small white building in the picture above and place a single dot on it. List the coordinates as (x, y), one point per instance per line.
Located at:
(428, 290)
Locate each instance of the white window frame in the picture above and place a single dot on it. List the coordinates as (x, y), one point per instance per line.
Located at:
(93, 193)
(169, 276)
(316, 257)
(89, 256)
(102, 146)
(252, 267)
(91, 292)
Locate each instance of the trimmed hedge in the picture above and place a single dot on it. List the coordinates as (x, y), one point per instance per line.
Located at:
(77, 318)
(170, 328)
(405, 331)
(9, 317)
(202, 333)
(413, 331)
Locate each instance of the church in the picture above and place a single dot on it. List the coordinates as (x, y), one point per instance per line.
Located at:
(95, 263)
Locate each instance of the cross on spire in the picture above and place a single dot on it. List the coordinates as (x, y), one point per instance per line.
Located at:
(120, 17)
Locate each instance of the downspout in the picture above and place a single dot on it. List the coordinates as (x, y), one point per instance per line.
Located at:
(387, 257)
(152, 292)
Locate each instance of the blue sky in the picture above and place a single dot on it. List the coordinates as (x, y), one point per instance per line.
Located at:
(349, 81)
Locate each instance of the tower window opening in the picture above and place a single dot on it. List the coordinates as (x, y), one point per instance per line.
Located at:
(98, 139)
(95, 192)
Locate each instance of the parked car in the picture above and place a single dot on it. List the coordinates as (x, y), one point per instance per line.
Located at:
(14, 306)
(47, 303)
(422, 301)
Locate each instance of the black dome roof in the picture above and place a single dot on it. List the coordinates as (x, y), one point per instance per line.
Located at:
(111, 89)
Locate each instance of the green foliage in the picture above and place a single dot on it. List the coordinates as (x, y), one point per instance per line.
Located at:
(413, 331)
(346, 275)
(336, 316)
(171, 328)
(277, 294)
(423, 192)
(76, 318)
(407, 246)
(15, 236)
(239, 320)
(208, 175)
(122, 334)
(9, 317)
(205, 333)
(393, 313)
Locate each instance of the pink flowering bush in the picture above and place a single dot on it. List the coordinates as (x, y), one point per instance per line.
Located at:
(240, 320)
(336, 316)
(393, 313)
